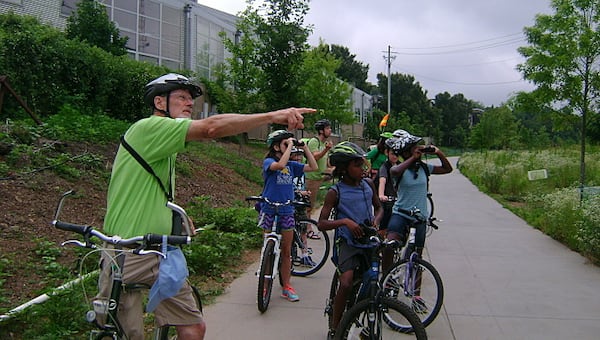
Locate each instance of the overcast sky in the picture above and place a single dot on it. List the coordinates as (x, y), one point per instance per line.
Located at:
(457, 46)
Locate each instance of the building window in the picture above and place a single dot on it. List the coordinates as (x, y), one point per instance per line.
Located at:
(128, 5)
(150, 9)
(126, 20)
(131, 41)
(148, 44)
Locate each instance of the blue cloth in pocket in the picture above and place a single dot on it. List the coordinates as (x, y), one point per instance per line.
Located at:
(172, 274)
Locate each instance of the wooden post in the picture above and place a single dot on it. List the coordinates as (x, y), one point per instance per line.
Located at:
(5, 86)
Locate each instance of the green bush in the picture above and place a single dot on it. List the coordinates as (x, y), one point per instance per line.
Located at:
(48, 71)
(588, 229)
(71, 125)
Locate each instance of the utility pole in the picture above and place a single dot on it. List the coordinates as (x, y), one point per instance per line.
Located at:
(389, 59)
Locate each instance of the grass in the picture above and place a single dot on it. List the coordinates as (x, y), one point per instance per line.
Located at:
(554, 204)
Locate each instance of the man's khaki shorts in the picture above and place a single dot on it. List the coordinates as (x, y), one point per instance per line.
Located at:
(181, 309)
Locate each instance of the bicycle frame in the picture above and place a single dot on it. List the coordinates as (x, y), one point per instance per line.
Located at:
(273, 236)
(111, 325)
(404, 280)
(276, 237)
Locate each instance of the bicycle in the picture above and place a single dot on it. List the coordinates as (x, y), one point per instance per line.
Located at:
(367, 304)
(413, 280)
(310, 248)
(269, 255)
(104, 314)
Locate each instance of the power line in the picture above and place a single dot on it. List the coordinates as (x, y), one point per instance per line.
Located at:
(461, 44)
(464, 47)
(466, 83)
(463, 50)
(465, 65)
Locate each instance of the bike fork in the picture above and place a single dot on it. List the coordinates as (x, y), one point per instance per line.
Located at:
(276, 251)
(410, 277)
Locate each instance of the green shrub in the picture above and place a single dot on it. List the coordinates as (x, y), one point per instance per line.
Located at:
(588, 229)
(50, 71)
(71, 125)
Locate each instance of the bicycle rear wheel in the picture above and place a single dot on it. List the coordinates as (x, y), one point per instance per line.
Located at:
(424, 291)
(265, 276)
(355, 322)
(318, 247)
(335, 282)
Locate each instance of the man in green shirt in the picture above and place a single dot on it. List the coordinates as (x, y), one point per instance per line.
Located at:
(319, 146)
(136, 201)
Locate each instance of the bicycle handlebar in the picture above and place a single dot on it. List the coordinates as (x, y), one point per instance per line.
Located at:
(139, 243)
(148, 239)
(277, 204)
(416, 213)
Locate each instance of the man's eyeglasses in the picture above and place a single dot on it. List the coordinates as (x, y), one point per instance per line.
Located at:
(183, 98)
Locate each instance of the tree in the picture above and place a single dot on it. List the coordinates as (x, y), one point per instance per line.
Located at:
(240, 82)
(497, 129)
(91, 24)
(454, 114)
(409, 97)
(562, 60)
(350, 70)
(322, 89)
(282, 43)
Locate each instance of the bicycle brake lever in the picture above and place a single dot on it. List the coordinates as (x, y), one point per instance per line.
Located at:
(79, 244)
(146, 252)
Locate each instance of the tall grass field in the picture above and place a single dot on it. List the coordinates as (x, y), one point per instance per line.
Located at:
(557, 204)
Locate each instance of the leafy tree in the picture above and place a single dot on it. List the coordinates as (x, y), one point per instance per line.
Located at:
(282, 41)
(562, 60)
(542, 125)
(265, 70)
(497, 129)
(91, 24)
(454, 114)
(350, 70)
(322, 89)
(409, 97)
(240, 82)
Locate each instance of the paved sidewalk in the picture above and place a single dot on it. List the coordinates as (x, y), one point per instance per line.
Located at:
(502, 279)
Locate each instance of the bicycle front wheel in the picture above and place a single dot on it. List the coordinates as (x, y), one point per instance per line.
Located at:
(419, 286)
(309, 256)
(265, 276)
(357, 324)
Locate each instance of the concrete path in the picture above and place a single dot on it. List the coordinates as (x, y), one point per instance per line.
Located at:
(502, 279)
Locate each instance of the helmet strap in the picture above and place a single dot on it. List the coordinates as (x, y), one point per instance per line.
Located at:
(165, 112)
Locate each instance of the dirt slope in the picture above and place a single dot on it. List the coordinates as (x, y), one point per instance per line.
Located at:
(27, 204)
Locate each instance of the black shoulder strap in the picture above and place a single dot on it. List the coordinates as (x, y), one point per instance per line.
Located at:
(146, 166)
(426, 169)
